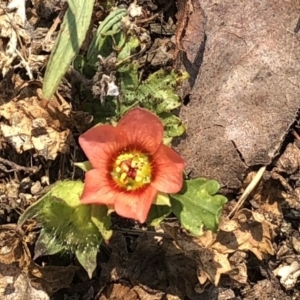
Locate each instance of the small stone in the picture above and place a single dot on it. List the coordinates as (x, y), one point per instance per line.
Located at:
(36, 188)
(296, 244)
(135, 10)
(12, 189)
(45, 180)
(26, 198)
(26, 183)
(289, 161)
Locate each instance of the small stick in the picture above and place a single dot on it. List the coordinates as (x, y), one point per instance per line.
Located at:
(139, 232)
(296, 135)
(25, 64)
(248, 190)
(17, 167)
(56, 22)
(141, 21)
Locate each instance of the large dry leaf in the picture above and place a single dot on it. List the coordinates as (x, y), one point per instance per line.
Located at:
(14, 261)
(248, 231)
(14, 251)
(33, 123)
(51, 278)
(211, 263)
(12, 24)
(15, 285)
(247, 92)
(266, 198)
(214, 253)
(287, 172)
(153, 270)
(13, 247)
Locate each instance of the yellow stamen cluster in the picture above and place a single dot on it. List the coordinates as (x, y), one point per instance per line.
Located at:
(132, 170)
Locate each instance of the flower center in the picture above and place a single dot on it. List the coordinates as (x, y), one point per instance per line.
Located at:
(132, 170)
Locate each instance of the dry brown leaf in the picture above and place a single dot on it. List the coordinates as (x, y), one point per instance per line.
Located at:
(12, 28)
(13, 247)
(32, 123)
(157, 269)
(217, 254)
(287, 172)
(14, 281)
(247, 231)
(289, 161)
(266, 198)
(15, 285)
(239, 268)
(263, 289)
(211, 263)
(51, 278)
(292, 198)
(119, 291)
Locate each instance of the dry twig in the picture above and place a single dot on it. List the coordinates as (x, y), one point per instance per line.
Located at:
(248, 191)
(16, 167)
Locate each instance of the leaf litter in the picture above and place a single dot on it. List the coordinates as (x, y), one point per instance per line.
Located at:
(20, 276)
(33, 124)
(148, 267)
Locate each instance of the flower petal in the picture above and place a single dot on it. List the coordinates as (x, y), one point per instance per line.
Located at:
(100, 144)
(136, 204)
(98, 188)
(168, 167)
(143, 129)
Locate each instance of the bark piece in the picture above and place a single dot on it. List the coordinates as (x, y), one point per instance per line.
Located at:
(190, 41)
(247, 86)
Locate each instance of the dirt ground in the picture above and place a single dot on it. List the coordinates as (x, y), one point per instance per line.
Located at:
(240, 106)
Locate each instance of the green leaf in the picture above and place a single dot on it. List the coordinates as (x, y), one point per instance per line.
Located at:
(102, 113)
(84, 165)
(108, 4)
(157, 214)
(68, 191)
(72, 6)
(161, 87)
(67, 224)
(130, 46)
(70, 38)
(172, 124)
(46, 244)
(129, 80)
(81, 65)
(167, 141)
(197, 205)
(102, 220)
(162, 199)
(157, 93)
(87, 257)
(102, 43)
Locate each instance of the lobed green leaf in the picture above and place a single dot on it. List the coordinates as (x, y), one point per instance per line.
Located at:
(197, 205)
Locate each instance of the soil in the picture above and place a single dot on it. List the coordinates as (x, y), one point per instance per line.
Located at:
(241, 108)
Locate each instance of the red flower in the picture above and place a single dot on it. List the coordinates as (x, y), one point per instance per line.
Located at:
(130, 164)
